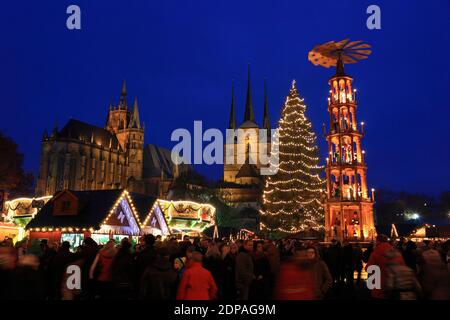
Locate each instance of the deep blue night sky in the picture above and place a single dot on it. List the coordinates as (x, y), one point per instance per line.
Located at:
(179, 58)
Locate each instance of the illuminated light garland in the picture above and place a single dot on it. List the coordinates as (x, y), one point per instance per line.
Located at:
(292, 196)
(167, 207)
(290, 189)
(22, 203)
(124, 196)
(302, 227)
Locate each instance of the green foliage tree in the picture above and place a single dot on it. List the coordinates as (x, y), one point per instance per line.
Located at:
(13, 178)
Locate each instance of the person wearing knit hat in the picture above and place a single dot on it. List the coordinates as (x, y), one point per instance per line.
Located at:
(179, 265)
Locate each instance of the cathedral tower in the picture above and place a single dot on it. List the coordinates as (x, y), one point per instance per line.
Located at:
(126, 125)
(241, 173)
(135, 139)
(118, 117)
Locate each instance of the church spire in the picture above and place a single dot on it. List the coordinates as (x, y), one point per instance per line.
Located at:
(249, 116)
(232, 124)
(123, 96)
(134, 121)
(124, 88)
(266, 121)
(55, 129)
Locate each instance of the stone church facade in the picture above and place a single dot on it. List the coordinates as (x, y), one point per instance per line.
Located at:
(247, 173)
(243, 181)
(82, 156)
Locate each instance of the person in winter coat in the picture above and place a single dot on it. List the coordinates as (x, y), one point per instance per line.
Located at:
(334, 257)
(244, 270)
(410, 255)
(57, 269)
(48, 251)
(348, 264)
(273, 256)
(159, 281)
(433, 275)
(189, 251)
(122, 271)
(145, 257)
(186, 243)
(173, 247)
(213, 262)
(234, 249)
(303, 277)
(102, 265)
(8, 261)
(179, 264)
(89, 250)
(197, 283)
(381, 257)
(400, 281)
(259, 288)
(202, 246)
(28, 280)
(229, 261)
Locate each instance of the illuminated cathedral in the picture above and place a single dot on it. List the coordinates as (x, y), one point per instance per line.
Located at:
(247, 173)
(243, 179)
(82, 156)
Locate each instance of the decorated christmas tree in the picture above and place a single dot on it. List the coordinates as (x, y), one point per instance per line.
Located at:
(292, 196)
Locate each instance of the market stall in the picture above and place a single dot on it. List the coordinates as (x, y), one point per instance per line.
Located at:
(101, 214)
(18, 213)
(10, 231)
(180, 217)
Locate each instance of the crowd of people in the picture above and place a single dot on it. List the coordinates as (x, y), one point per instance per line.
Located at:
(207, 269)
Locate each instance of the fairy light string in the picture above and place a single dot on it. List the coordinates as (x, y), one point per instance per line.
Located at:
(292, 197)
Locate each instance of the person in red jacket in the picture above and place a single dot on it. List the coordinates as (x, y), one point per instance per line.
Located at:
(197, 283)
(303, 277)
(382, 256)
(103, 262)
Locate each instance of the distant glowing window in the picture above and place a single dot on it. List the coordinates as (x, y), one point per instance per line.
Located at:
(75, 239)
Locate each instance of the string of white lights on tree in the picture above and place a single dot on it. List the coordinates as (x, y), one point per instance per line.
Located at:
(292, 196)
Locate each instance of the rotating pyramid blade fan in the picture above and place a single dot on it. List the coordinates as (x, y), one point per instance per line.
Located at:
(328, 54)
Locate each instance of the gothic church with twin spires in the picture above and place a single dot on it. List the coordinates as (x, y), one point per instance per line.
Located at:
(246, 177)
(82, 156)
